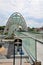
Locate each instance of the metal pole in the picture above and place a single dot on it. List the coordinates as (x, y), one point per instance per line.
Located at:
(21, 56)
(14, 56)
(36, 49)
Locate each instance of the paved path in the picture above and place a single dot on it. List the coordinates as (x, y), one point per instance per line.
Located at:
(35, 36)
(10, 62)
(40, 52)
(6, 62)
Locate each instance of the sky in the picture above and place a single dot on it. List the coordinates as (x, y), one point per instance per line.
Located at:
(31, 10)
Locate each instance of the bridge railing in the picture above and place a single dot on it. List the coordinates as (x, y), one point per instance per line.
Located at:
(31, 46)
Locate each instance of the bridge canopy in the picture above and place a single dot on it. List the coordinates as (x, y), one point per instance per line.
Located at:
(15, 21)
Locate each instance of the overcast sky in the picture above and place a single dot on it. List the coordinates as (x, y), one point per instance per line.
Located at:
(32, 10)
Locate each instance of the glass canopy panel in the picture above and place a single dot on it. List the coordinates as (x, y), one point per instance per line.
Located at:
(29, 44)
(16, 19)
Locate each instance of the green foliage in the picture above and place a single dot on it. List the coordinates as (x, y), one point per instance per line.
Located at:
(2, 27)
(32, 30)
(6, 33)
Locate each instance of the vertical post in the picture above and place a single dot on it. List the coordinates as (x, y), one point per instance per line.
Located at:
(36, 49)
(36, 62)
(14, 55)
(42, 36)
(21, 55)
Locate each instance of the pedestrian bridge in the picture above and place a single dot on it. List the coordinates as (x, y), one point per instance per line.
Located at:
(27, 52)
(23, 51)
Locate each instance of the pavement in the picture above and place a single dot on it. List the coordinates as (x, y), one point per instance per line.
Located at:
(40, 52)
(10, 62)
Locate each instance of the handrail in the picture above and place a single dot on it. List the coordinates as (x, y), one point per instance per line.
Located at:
(32, 38)
(27, 36)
